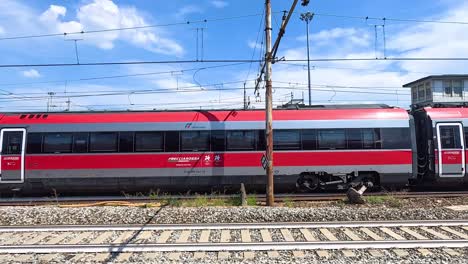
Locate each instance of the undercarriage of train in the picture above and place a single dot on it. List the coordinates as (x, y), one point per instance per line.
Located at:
(322, 181)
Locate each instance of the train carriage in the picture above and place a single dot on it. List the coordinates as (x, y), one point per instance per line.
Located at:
(442, 134)
(79, 152)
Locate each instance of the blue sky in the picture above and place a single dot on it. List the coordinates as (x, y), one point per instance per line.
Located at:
(331, 37)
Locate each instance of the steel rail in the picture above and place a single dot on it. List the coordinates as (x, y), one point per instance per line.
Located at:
(231, 226)
(234, 246)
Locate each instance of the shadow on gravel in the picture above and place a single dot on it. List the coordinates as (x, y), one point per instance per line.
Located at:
(114, 255)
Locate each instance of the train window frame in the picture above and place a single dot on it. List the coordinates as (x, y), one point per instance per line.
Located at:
(391, 138)
(74, 147)
(33, 149)
(129, 146)
(309, 144)
(7, 136)
(206, 135)
(354, 138)
(141, 135)
(172, 141)
(247, 147)
(216, 136)
(100, 150)
(278, 145)
(46, 147)
(260, 143)
(326, 132)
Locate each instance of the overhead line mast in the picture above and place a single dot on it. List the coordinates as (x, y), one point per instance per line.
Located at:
(269, 60)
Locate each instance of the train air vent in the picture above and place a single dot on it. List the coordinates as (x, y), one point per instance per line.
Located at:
(38, 116)
(23, 116)
(45, 116)
(31, 116)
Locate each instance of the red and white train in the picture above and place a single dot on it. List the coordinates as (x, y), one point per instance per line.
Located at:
(320, 148)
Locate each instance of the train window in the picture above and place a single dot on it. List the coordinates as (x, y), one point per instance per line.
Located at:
(58, 143)
(80, 142)
(370, 138)
(195, 140)
(217, 140)
(450, 137)
(172, 141)
(34, 145)
(286, 139)
(395, 138)
(261, 140)
(103, 142)
(331, 139)
(12, 142)
(309, 139)
(126, 141)
(240, 140)
(353, 138)
(149, 141)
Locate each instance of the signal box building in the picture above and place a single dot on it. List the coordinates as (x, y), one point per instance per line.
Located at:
(435, 90)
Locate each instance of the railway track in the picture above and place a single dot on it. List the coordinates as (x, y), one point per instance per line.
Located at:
(29, 201)
(224, 240)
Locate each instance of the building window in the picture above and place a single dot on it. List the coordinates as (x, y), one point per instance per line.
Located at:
(453, 88)
(457, 88)
(448, 88)
(421, 92)
(414, 91)
(428, 91)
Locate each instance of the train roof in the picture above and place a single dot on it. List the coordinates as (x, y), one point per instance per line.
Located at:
(447, 112)
(203, 116)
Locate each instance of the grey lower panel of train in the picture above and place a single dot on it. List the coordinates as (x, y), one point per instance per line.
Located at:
(112, 184)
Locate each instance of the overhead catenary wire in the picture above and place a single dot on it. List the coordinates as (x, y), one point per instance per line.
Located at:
(232, 61)
(40, 98)
(409, 20)
(81, 32)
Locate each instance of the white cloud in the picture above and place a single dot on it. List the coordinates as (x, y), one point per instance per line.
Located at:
(356, 36)
(189, 9)
(105, 14)
(31, 74)
(434, 40)
(253, 44)
(2, 30)
(219, 3)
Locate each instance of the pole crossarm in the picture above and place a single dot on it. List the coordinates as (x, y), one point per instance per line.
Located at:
(274, 49)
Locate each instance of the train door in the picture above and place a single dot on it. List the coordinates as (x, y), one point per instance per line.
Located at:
(451, 148)
(12, 149)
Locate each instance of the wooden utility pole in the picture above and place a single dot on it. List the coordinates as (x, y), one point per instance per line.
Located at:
(269, 107)
(266, 69)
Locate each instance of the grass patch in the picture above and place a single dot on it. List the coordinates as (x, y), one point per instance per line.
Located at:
(288, 202)
(251, 200)
(383, 200)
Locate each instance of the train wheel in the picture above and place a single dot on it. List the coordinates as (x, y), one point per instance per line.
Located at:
(308, 182)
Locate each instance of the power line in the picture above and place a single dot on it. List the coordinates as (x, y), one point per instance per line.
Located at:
(39, 98)
(230, 61)
(393, 19)
(128, 28)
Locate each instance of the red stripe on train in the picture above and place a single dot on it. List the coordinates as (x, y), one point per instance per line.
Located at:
(210, 159)
(204, 116)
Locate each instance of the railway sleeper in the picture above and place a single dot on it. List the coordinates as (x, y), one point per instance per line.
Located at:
(323, 181)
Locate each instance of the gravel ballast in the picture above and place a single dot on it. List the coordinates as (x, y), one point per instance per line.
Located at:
(54, 215)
